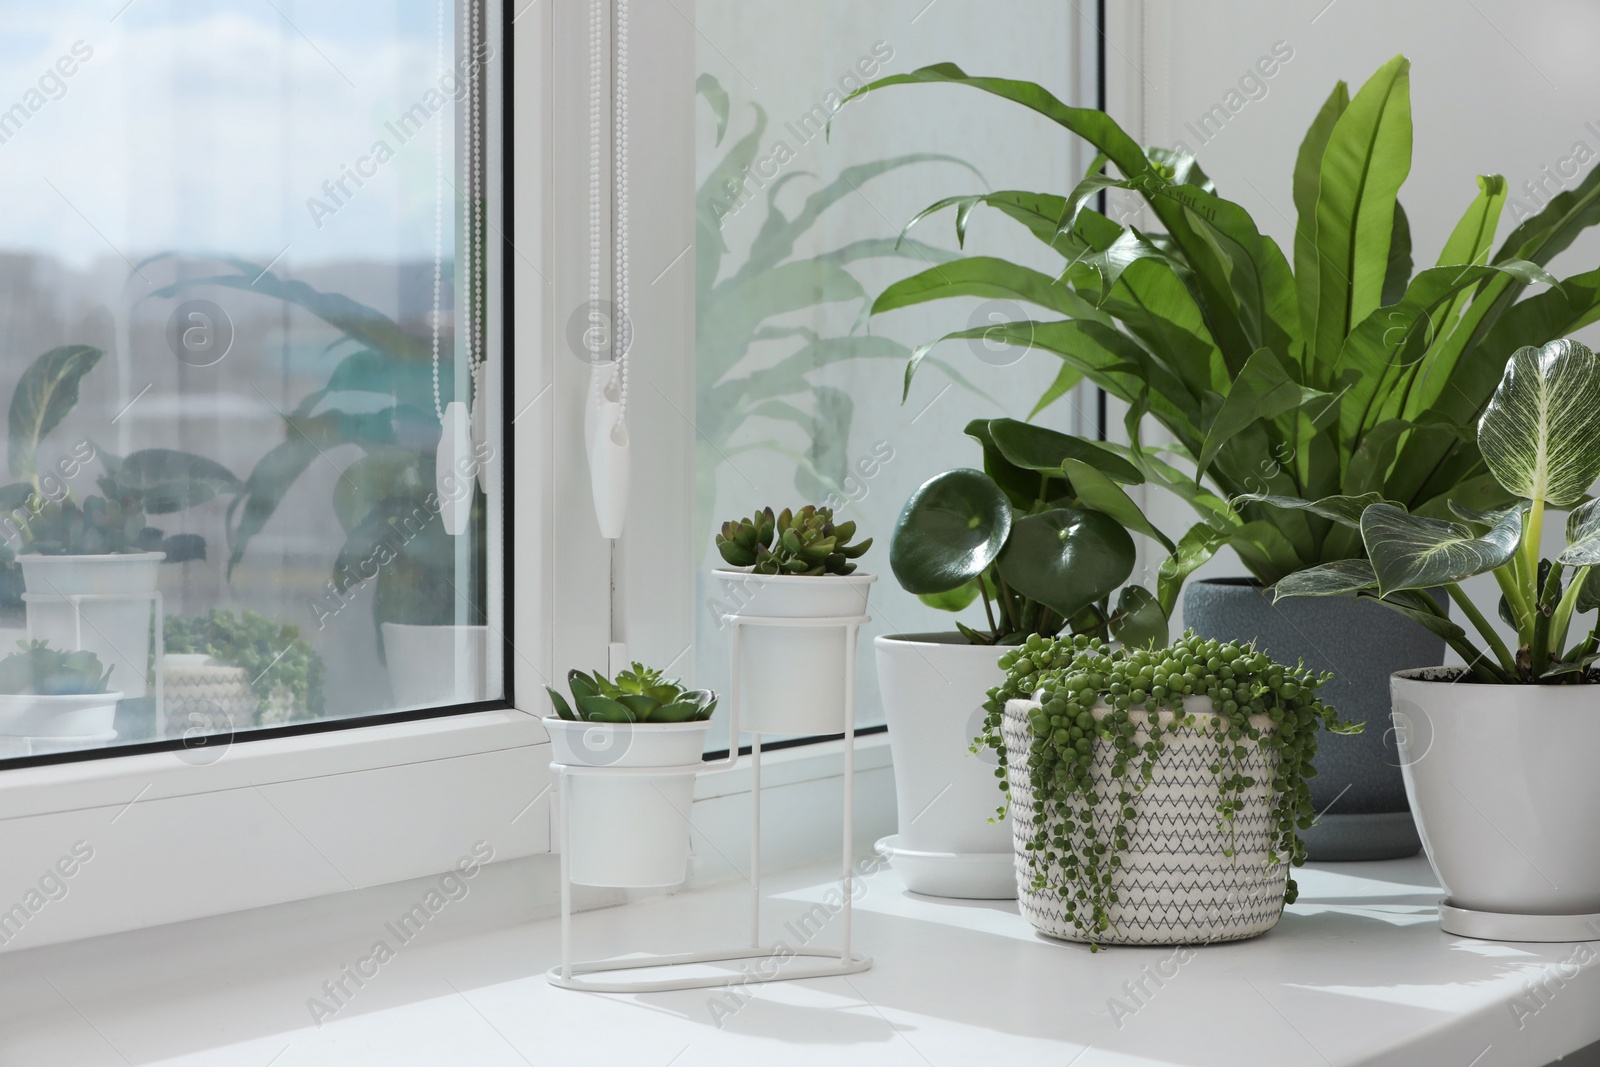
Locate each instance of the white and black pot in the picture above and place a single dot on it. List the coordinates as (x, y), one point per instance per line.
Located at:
(1183, 879)
(628, 830)
(1502, 783)
(792, 678)
(933, 688)
(1358, 791)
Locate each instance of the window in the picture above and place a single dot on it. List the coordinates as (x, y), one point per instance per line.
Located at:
(798, 386)
(251, 300)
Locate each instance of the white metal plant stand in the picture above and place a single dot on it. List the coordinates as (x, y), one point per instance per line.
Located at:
(571, 975)
(156, 685)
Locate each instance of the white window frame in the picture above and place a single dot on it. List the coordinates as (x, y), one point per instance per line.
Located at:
(293, 817)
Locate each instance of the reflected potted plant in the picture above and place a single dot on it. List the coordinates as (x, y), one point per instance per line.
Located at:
(381, 396)
(629, 830)
(227, 671)
(103, 546)
(793, 565)
(45, 692)
(1496, 754)
(1288, 383)
(1040, 537)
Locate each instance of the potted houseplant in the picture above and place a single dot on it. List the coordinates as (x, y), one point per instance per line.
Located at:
(793, 565)
(45, 692)
(103, 546)
(628, 829)
(1496, 753)
(1286, 383)
(1038, 536)
(227, 671)
(1156, 794)
(385, 395)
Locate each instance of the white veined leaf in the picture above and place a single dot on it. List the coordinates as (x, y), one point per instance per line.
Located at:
(1411, 552)
(1540, 434)
(1342, 577)
(1583, 537)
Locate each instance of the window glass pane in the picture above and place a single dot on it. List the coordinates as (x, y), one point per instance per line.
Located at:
(243, 280)
(799, 388)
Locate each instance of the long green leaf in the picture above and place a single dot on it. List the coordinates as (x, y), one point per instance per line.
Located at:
(1307, 181)
(45, 393)
(986, 276)
(1367, 158)
(1198, 544)
(1263, 390)
(1095, 490)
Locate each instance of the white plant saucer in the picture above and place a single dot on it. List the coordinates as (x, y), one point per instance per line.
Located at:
(1499, 926)
(963, 875)
(34, 746)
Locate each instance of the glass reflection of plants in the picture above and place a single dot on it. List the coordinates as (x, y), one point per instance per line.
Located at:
(739, 306)
(285, 671)
(39, 511)
(385, 501)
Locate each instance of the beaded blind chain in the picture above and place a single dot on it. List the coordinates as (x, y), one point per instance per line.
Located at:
(621, 333)
(471, 245)
(623, 330)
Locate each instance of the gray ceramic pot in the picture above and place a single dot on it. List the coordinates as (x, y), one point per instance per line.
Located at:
(1358, 787)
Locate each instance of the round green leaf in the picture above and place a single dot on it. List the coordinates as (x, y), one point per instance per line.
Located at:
(952, 528)
(1540, 434)
(1067, 558)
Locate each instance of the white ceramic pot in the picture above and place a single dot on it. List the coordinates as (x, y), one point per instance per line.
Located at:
(933, 688)
(792, 677)
(432, 666)
(77, 715)
(1176, 885)
(628, 830)
(119, 632)
(1502, 784)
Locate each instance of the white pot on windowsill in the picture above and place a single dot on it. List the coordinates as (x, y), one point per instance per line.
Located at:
(71, 715)
(792, 678)
(117, 631)
(628, 830)
(933, 688)
(1501, 782)
(436, 666)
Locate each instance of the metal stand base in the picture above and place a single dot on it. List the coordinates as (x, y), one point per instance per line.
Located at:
(783, 970)
(569, 974)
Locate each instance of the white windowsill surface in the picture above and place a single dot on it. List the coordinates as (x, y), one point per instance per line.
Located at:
(1356, 973)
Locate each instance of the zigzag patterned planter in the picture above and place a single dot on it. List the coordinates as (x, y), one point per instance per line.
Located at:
(1175, 885)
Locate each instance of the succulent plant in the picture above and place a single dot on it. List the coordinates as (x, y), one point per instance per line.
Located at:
(742, 541)
(639, 694)
(45, 671)
(806, 542)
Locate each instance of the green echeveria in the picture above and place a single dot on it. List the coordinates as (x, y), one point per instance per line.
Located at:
(639, 694)
(806, 542)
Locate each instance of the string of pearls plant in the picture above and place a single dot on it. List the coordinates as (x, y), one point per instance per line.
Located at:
(1096, 701)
